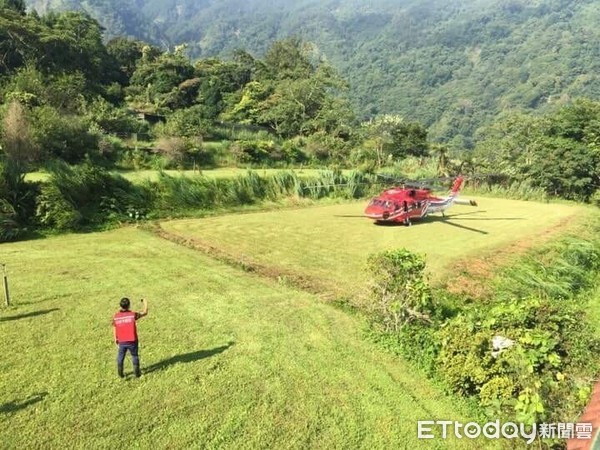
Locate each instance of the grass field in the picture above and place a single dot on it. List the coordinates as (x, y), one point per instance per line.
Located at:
(231, 360)
(332, 243)
(226, 172)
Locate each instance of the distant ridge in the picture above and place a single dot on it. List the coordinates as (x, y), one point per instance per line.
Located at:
(454, 65)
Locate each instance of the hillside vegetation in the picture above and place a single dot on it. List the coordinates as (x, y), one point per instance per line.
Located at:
(451, 65)
(79, 107)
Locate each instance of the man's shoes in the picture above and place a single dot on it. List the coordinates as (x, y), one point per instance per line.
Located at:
(137, 371)
(120, 372)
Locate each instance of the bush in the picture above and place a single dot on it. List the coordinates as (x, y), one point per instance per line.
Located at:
(550, 350)
(89, 196)
(173, 149)
(9, 225)
(526, 354)
(399, 290)
(64, 137)
(253, 152)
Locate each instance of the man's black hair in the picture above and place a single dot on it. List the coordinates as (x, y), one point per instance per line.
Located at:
(124, 303)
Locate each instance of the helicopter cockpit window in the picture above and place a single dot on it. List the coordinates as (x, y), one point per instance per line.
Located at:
(378, 202)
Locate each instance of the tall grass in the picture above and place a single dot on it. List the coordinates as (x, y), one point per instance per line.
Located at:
(558, 271)
(184, 193)
(84, 196)
(88, 196)
(516, 190)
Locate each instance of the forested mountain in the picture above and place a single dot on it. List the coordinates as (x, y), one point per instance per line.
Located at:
(451, 64)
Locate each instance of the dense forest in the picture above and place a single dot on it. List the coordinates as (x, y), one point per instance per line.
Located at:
(452, 65)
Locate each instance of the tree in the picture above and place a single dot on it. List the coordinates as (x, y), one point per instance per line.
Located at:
(17, 143)
(393, 137)
(287, 59)
(156, 79)
(16, 5)
(126, 54)
(65, 137)
(72, 42)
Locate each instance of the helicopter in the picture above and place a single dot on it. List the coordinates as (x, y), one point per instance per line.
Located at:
(412, 201)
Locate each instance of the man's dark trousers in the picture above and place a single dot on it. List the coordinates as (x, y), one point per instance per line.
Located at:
(133, 349)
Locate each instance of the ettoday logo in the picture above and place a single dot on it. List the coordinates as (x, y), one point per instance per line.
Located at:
(492, 430)
(436, 429)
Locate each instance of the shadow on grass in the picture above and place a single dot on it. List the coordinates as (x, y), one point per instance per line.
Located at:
(11, 407)
(186, 358)
(27, 315)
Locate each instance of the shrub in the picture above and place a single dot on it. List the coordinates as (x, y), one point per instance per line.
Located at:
(399, 290)
(64, 137)
(526, 354)
(16, 194)
(87, 195)
(173, 149)
(254, 152)
(9, 225)
(549, 344)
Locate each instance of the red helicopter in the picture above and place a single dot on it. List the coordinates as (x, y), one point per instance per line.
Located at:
(402, 204)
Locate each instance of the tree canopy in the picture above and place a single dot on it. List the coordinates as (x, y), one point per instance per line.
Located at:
(453, 66)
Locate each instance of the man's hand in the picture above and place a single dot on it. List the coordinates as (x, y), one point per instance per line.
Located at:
(145, 311)
(116, 342)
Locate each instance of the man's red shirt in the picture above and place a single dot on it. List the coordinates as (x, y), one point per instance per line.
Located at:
(124, 323)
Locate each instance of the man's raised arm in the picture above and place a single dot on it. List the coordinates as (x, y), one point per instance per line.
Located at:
(145, 310)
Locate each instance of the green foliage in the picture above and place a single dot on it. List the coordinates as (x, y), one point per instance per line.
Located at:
(400, 292)
(551, 350)
(16, 5)
(126, 53)
(9, 225)
(453, 66)
(557, 153)
(194, 121)
(254, 152)
(65, 137)
(156, 80)
(560, 271)
(63, 91)
(392, 138)
(526, 353)
(185, 193)
(112, 119)
(17, 199)
(87, 196)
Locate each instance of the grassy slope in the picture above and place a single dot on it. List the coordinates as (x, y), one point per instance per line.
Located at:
(297, 373)
(333, 242)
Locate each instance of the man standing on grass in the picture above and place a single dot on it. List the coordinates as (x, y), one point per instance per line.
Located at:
(126, 334)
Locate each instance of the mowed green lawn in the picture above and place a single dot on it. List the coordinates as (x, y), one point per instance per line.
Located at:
(333, 242)
(231, 360)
